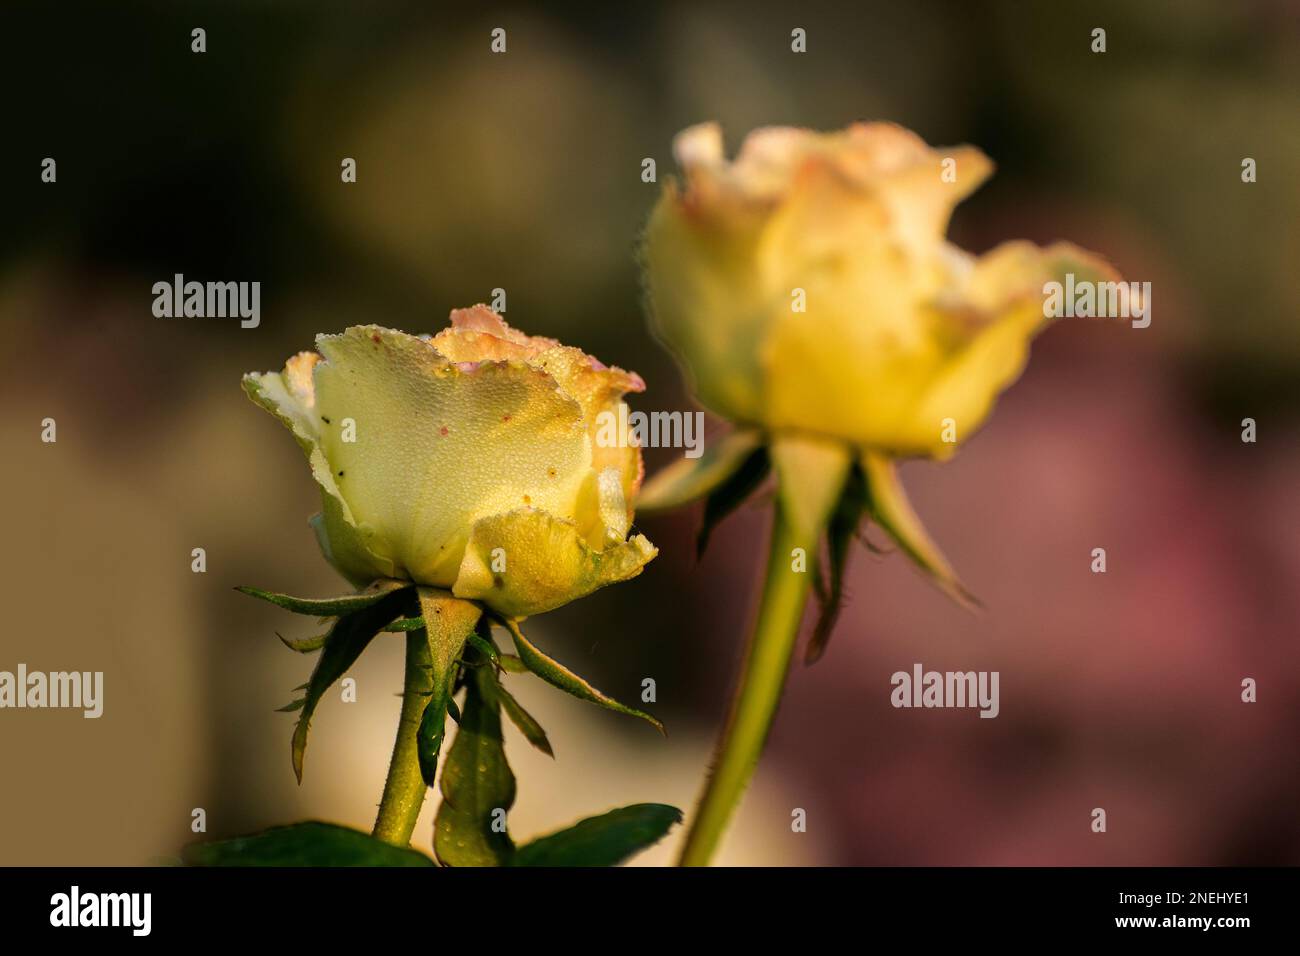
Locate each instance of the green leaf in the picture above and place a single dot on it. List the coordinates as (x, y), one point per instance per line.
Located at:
(303, 844)
(330, 607)
(889, 507)
(606, 840)
(689, 478)
(350, 635)
(560, 676)
(477, 785)
(840, 534)
(731, 494)
(524, 721)
(290, 707)
(448, 622)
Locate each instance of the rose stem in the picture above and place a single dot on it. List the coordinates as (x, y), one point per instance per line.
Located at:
(767, 660)
(404, 789)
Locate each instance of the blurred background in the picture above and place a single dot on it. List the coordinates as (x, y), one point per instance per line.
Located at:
(522, 171)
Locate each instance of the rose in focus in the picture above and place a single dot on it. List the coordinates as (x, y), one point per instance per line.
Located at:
(466, 461)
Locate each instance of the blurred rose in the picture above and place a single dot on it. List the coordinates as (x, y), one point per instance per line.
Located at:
(807, 286)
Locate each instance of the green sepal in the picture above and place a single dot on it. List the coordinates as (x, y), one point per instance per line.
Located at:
(690, 478)
(428, 739)
(890, 508)
(731, 493)
(605, 840)
(477, 785)
(304, 645)
(841, 531)
(810, 477)
(330, 607)
(486, 648)
(560, 676)
(350, 636)
(525, 722)
(303, 844)
(512, 664)
(404, 624)
(449, 621)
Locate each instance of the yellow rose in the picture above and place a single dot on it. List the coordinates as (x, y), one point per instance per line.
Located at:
(467, 461)
(808, 287)
(810, 293)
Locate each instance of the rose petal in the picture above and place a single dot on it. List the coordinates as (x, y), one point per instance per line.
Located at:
(547, 564)
(290, 396)
(438, 447)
